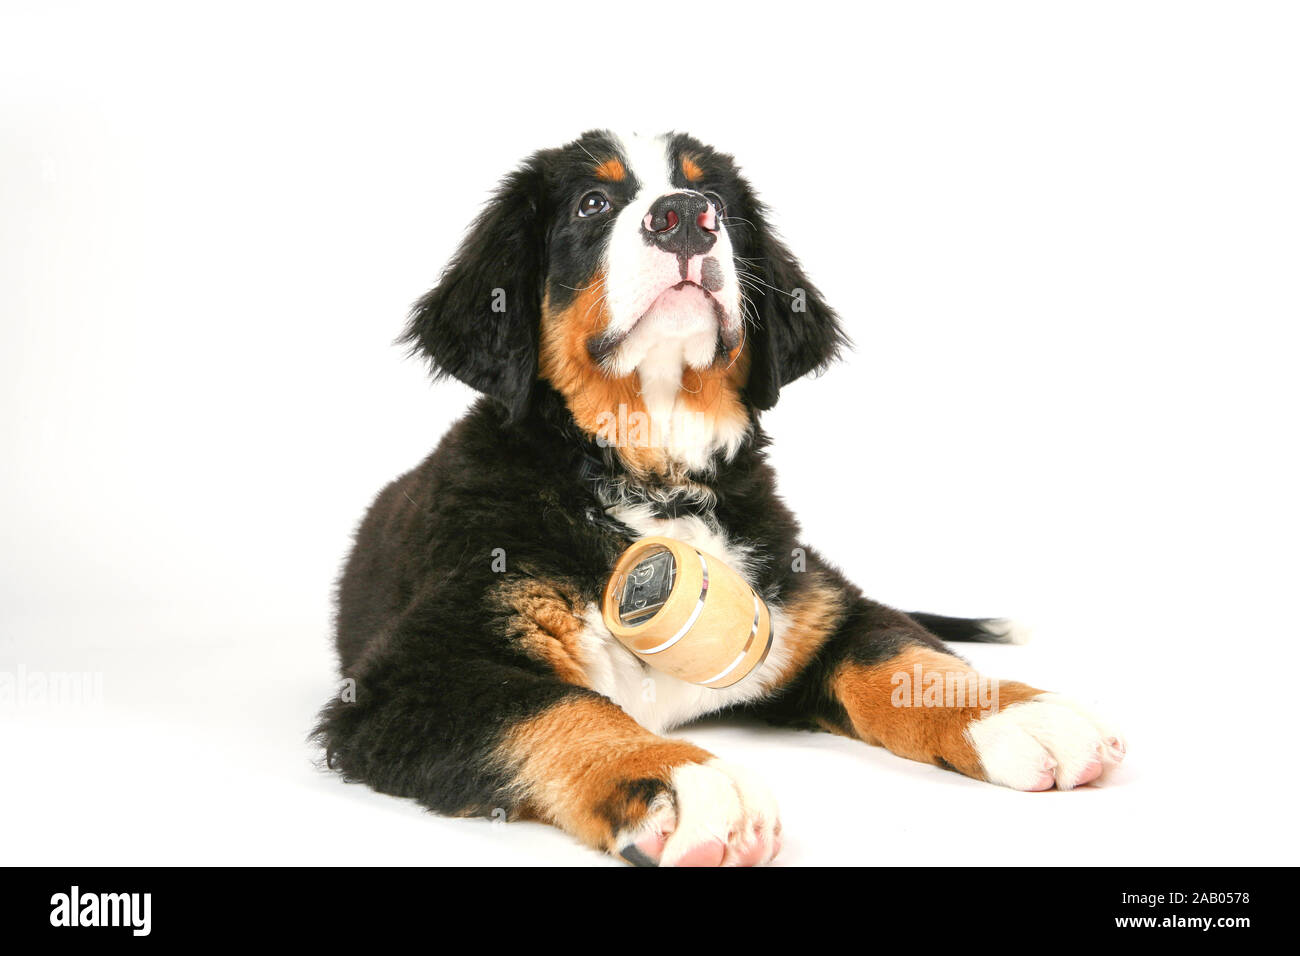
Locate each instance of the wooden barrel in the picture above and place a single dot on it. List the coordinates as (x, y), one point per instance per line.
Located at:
(686, 613)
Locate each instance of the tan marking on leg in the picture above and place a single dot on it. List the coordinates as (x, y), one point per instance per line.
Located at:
(813, 613)
(582, 765)
(874, 696)
(543, 618)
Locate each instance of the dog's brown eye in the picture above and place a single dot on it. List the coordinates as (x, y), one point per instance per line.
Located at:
(592, 204)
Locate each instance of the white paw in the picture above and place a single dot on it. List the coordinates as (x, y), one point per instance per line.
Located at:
(1044, 742)
(721, 815)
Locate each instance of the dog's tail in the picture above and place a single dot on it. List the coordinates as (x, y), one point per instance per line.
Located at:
(983, 630)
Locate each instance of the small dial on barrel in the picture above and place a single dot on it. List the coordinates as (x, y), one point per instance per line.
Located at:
(645, 589)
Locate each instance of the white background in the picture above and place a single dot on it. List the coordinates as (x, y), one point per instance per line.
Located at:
(1064, 238)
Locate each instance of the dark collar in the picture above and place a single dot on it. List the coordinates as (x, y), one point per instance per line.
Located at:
(595, 474)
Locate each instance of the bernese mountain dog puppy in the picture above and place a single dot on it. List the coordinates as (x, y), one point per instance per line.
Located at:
(632, 279)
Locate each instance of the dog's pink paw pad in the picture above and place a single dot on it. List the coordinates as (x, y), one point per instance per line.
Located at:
(1089, 773)
(703, 854)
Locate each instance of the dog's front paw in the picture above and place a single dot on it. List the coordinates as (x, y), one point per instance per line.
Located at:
(716, 814)
(1047, 741)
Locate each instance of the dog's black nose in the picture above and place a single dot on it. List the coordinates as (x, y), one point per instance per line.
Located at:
(683, 224)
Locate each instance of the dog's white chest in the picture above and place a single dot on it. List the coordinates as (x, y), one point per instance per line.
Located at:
(659, 701)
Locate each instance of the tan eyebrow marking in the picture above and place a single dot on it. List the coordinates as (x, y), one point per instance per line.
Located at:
(691, 169)
(611, 169)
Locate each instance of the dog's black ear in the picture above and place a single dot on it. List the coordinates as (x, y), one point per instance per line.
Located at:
(792, 329)
(480, 323)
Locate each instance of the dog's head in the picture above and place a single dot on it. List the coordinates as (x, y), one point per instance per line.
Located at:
(616, 265)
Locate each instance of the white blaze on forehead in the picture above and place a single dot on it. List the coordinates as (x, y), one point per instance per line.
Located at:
(649, 160)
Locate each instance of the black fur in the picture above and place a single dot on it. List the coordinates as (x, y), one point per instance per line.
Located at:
(479, 324)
